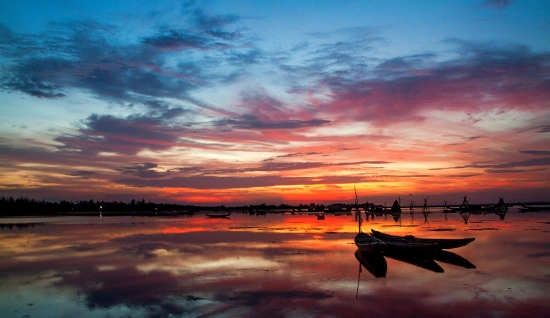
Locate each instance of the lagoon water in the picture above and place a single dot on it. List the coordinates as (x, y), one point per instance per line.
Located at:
(274, 265)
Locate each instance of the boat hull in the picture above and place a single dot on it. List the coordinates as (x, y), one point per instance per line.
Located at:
(406, 247)
(442, 243)
(368, 243)
(218, 215)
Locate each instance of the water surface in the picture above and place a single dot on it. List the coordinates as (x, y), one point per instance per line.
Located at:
(277, 265)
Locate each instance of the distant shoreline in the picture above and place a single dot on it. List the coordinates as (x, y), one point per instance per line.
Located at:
(29, 207)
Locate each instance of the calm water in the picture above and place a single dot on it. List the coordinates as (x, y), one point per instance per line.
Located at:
(278, 265)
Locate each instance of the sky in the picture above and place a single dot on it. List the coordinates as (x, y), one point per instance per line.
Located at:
(248, 102)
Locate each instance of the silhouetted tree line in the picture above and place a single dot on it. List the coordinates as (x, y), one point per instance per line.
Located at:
(10, 206)
(21, 206)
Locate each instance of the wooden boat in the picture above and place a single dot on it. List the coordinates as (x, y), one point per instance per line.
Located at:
(218, 215)
(440, 242)
(366, 242)
(403, 246)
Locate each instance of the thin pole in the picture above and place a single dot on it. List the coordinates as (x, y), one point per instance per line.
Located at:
(358, 279)
(357, 209)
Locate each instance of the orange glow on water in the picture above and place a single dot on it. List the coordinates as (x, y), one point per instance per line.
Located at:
(178, 230)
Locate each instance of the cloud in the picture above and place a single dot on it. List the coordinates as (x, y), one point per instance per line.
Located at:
(86, 60)
(200, 177)
(496, 4)
(215, 182)
(83, 55)
(536, 152)
(177, 40)
(514, 164)
(514, 170)
(215, 25)
(342, 54)
(263, 112)
(123, 135)
(405, 66)
(483, 77)
(82, 173)
(141, 170)
(522, 163)
(281, 166)
(252, 122)
(298, 154)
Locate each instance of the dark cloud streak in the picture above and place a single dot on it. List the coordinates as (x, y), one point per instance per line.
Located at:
(496, 4)
(213, 182)
(514, 164)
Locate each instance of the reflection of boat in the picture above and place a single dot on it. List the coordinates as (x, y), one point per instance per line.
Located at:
(442, 243)
(218, 215)
(422, 260)
(377, 265)
(366, 242)
(452, 258)
(374, 262)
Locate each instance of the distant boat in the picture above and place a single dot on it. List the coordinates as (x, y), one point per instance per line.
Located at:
(441, 243)
(535, 208)
(320, 215)
(218, 215)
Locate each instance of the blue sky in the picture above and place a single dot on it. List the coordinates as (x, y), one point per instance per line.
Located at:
(261, 101)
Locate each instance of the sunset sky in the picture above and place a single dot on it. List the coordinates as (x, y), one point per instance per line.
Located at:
(246, 102)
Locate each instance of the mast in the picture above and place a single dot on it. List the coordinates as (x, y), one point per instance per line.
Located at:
(359, 220)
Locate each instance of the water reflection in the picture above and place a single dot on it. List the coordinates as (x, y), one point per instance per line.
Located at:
(376, 263)
(373, 262)
(277, 265)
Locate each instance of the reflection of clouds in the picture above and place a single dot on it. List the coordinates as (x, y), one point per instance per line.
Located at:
(513, 288)
(237, 262)
(126, 286)
(186, 264)
(254, 298)
(102, 268)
